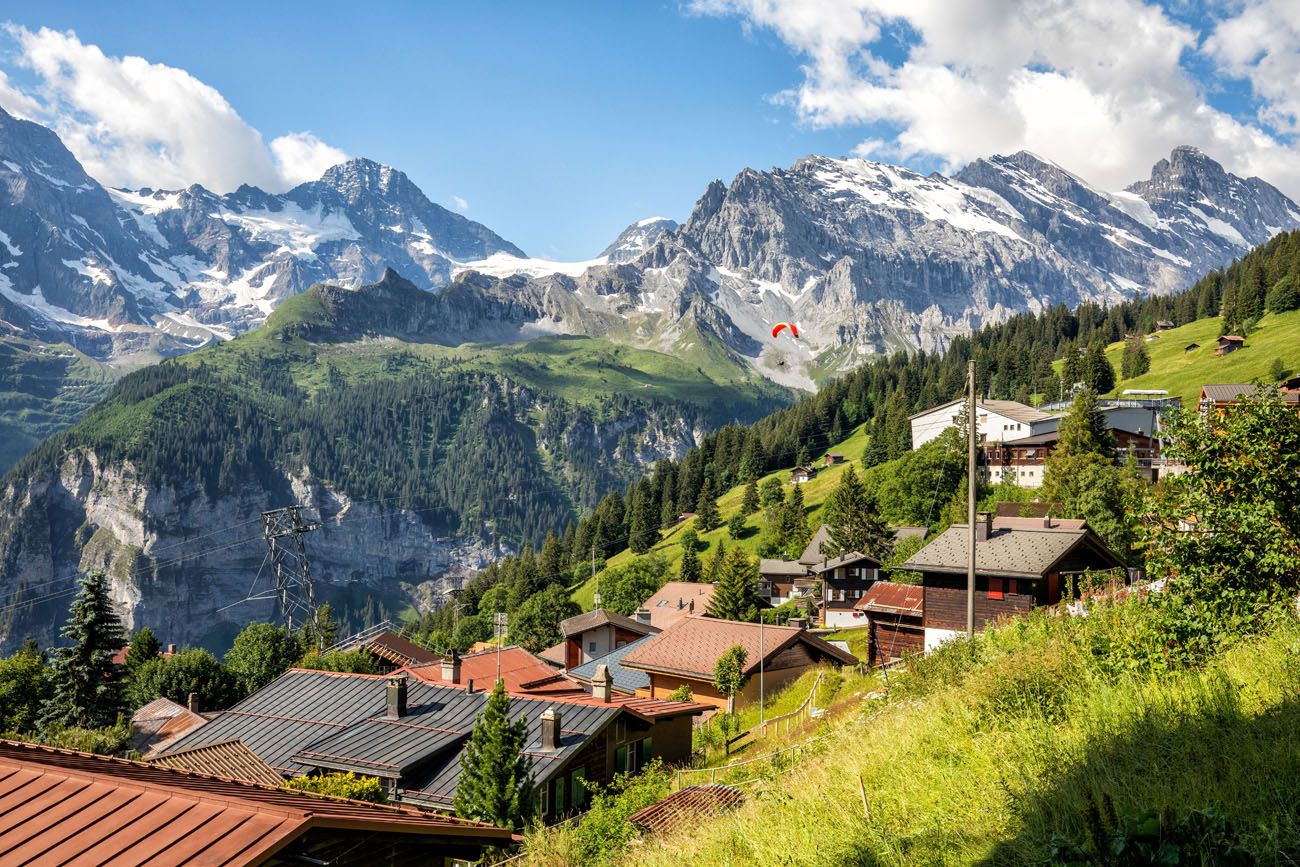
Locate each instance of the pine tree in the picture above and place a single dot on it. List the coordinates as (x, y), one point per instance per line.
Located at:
(854, 522)
(1230, 309)
(749, 505)
(87, 684)
(1136, 359)
(144, 647)
(1083, 430)
(644, 531)
(496, 783)
(737, 595)
(715, 562)
(1097, 370)
(707, 516)
(1072, 368)
(690, 569)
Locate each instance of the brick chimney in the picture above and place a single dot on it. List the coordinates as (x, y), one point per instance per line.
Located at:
(192, 702)
(643, 616)
(983, 526)
(397, 696)
(602, 685)
(550, 729)
(451, 667)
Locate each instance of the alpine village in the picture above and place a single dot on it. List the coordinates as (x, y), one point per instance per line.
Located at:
(872, 515)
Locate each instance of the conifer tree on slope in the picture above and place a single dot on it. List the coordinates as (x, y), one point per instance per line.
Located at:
(690, 568)
(736, 597)
(707, 516)
(1082, 477)
(496, 782)
(853, 521)
(716, 561)
(749, 505)
(87, 685)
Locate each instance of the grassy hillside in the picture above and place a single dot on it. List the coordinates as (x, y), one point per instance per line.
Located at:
(44, 388)
(815, 493)
(996, 751)
(1183, 373)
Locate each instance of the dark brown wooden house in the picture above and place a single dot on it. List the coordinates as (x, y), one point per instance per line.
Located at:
(1020, 563)
(893, 614)
(844, 580)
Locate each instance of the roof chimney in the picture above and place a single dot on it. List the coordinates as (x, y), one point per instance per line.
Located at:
(397, 696)
(983, 525)
(681, 603)
(171, 648)
(799, 622)
(602, 684)
(550, 729)
(469, 686)
(451, 667)
(1047, 520)
(643, 615)
(192, 702)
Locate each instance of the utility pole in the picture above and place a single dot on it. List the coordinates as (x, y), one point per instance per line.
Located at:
(762, 651)
(295, 590)
(499, 621)
(972, 423)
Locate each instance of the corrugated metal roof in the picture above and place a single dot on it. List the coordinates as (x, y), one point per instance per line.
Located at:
(895, 598)
(229, 759)
(688, 804)
(60, 807)
(161, 721)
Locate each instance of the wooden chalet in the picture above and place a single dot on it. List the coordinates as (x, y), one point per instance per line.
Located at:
(1020, 564)
(800, 475)
(1025, 460)
(593, 634)
(686, 653)
(1216, 398)
(844, 580)
(1228, 344)
(833, 458)
(1164, 325)
(893, 614)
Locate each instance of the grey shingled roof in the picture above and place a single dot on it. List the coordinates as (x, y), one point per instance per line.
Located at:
(627, 680)
(813, 552)
(1020, 551)
(309, 719)
(767, 566)
(600, 617)
(846, 559)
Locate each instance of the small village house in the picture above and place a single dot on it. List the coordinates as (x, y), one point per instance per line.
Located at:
(779, 581)
(1228, 344)
(996, 420)
(593, 634)
(1217, 398)
(1021, 563)
(833, 458)
(1164, 325)
(686, 653)
(893, 614)
(802, 475)
(845, 579)
(626, 681)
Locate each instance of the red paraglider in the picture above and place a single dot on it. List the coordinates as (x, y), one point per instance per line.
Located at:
(794, 329)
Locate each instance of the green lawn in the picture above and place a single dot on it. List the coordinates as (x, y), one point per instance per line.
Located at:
(1183, 373)
(815, 493)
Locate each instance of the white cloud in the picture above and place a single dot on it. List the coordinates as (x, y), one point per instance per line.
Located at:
(1100, 86)
(133, 123)
(459, 204)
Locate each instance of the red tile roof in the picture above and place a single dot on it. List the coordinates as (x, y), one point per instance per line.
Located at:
(687, 805)
(692, 646)
(555, 654)
(894, 598)
(59, 805)
(524, 674)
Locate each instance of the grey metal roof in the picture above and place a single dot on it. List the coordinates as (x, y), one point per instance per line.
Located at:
(600, 617)
(1019, 551)
(309, 719)
(768, 566)
(625, 679)
(813, 553)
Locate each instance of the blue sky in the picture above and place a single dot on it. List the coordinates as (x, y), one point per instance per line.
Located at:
(559, 123)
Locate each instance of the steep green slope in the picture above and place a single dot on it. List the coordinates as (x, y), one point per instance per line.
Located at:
(1182, 372)
(44, 388)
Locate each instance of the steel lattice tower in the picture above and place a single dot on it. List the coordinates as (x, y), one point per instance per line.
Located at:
(290, 570)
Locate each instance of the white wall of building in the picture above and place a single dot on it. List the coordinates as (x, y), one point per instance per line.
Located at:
(992, 426)
(840, 618)
(936, 637)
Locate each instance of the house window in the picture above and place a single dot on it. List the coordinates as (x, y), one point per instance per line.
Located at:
(579, 787)
(591, 647)
(995, 588)
(621, 756)
(647, 751)
(560, 786)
